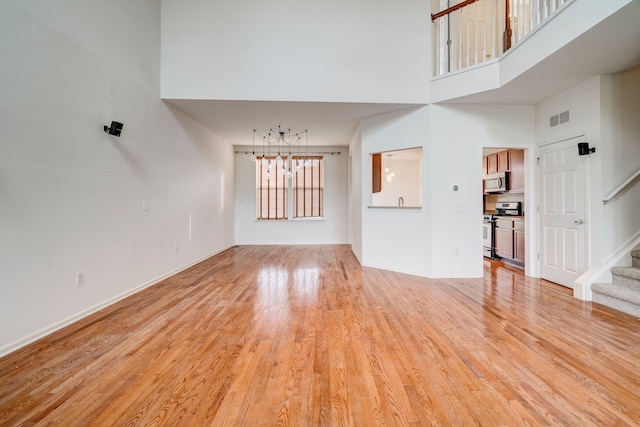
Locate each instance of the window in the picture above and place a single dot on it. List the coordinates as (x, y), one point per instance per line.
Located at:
(308, 187)
(272, 188)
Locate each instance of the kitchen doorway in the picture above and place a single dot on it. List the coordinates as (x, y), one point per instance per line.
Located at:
(504, 205)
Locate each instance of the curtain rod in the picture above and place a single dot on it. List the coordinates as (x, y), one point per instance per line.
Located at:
(295, 154)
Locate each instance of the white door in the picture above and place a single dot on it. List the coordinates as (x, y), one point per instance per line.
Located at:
(562, 212)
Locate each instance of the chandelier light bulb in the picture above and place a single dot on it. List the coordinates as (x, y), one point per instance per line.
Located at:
(268, 175)
(282, 140)
(253, 158)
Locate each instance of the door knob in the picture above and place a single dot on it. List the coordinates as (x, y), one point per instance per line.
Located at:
(578, 221)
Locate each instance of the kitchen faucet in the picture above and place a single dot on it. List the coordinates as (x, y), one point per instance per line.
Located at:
(400, 202)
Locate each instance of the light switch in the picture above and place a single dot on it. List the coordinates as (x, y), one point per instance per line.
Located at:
(145, 206)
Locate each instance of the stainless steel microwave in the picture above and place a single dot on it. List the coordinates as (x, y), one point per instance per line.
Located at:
(496, 182)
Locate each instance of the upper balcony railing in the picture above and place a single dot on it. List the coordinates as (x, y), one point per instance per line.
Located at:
(471, 32)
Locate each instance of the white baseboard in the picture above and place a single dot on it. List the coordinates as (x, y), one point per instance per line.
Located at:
(22, 342)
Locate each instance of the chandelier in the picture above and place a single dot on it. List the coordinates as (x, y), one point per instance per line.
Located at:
(282, 141)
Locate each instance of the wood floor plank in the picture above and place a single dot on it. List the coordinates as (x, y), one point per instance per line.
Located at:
(305, 336)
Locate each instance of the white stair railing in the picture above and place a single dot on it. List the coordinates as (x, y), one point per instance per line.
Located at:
(631, 180)
(472, 32)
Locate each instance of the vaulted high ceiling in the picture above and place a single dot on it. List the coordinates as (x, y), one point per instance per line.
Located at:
(608, 48)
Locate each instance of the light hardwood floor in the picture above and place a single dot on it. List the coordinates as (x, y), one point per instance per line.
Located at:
(304, 336)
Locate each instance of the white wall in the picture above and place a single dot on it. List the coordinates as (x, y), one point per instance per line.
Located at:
(356, 203)
(332, 229)
(395, 239)
(356, 51)
(458, 133)
(605, 110)
(71, 195)
(444, 238)
(620, 158)
(583, 104)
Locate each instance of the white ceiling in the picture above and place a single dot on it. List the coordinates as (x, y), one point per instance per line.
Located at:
(328, 123)
(610, 47)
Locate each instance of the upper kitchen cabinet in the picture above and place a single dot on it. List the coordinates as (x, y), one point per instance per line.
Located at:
(507, 160)
(503, 160)
(496, 162)
(516, 166)
(492, 163)
(376, 172)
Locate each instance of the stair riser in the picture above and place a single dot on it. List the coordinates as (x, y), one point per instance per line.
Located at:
(626, 281)
(620, 305)
(635, 262)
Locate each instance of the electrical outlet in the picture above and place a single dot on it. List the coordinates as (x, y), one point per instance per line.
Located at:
(79, 278)
(456, 252)
(145, 206)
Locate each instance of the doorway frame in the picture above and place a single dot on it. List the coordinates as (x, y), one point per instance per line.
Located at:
(532, 217)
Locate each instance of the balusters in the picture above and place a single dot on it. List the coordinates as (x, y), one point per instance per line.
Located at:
(472, 32)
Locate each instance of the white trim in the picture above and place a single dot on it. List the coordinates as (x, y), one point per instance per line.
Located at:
(22, 342)
(602, 272)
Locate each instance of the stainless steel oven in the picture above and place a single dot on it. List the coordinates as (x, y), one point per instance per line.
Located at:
(488, 240)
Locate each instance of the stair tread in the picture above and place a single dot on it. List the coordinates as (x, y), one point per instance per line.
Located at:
(620, 292)
(629, 272)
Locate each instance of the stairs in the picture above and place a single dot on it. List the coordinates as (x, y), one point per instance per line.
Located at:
(624, 293)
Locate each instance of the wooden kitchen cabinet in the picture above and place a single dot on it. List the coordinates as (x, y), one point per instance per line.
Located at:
(507, 160)
(504, 238)
(496, 162)
(503, 160)
(518, 247)
(376, 172)
(516, 167)
(518, 241)
(510, 242)
(492, 163)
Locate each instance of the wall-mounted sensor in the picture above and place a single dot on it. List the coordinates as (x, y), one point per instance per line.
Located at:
(455, 188)
(115, 129)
